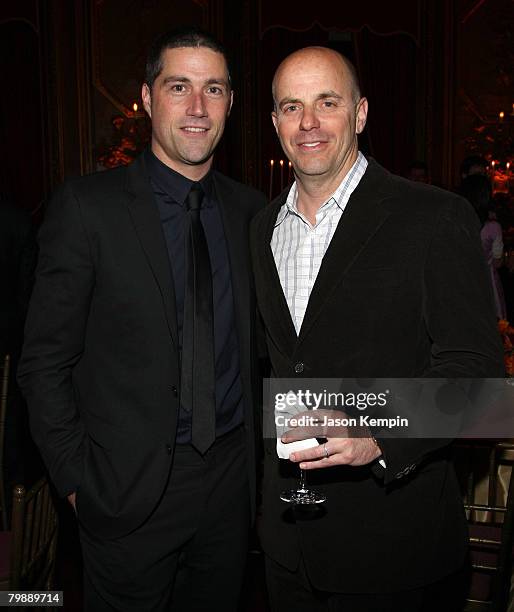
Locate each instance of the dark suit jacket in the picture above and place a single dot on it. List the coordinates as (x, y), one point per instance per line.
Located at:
(100, 365)
(402, 292)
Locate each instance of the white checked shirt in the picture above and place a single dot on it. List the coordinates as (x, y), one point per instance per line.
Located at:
(299, 247)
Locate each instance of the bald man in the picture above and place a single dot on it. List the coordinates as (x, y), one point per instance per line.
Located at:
(360, 273)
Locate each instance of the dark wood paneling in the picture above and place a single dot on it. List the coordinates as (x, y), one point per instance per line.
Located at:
(21, 154)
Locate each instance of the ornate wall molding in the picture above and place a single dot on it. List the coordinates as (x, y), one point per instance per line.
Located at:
(382, 19)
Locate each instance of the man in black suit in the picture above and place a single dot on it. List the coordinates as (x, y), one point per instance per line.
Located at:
(371, 276)
(137, 365)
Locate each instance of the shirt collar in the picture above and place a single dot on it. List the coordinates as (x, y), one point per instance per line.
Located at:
(340, 196)
(174, 184)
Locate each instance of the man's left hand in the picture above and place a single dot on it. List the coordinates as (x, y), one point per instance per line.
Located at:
(345, 445)
(341, 451)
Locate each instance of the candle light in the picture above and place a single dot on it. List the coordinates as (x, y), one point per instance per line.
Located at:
(508, 165)
(289, 170)
(281, 174)
(272, 162)
(135, 107)
(493, 164)
(501, 115)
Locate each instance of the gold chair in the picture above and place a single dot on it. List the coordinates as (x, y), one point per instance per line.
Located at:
(489, 506)
(4, 387)
(27, 552)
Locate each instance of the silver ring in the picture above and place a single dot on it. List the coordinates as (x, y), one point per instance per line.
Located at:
(327, 454)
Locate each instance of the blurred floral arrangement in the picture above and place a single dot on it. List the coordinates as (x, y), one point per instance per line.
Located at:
(507, 334)
(129, 137)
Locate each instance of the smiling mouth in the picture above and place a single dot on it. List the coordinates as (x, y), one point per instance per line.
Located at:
(314, 145)
(194, 130)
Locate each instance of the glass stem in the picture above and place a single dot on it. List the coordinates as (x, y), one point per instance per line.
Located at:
(302, 480)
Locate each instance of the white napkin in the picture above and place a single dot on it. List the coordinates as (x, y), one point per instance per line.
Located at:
(284, 450)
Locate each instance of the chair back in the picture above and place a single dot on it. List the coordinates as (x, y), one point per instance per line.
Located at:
(34, 537)
(4, 388)
(489, 506)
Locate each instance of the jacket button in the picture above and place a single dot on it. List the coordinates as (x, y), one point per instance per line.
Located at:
(174, 390)
(298, 368)
(168, 449)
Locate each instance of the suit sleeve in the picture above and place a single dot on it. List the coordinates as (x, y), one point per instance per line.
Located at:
(458, 305)
(54, 339)
(254, 237)
(459, 318)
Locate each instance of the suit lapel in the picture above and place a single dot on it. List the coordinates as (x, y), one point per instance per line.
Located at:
(143, 210)
(360, 220)
(238, 252)
(280, 319)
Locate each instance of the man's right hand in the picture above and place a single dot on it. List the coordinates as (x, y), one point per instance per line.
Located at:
(71, 499)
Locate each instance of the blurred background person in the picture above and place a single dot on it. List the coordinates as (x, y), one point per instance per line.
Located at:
(476, 188)
(473, 164)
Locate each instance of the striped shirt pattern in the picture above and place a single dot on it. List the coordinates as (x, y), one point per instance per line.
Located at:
(298, 247)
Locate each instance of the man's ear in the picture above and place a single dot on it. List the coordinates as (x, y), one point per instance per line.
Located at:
(146, 96)
(274, 118)
(361, 115)
(231, 102)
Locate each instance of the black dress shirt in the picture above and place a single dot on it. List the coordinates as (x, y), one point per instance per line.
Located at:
(171, 189)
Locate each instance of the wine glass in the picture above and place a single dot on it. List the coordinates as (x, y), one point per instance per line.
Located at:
(302, 496)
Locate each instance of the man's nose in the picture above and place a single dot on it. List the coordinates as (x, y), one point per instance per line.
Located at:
(197, 106)
(309, 119)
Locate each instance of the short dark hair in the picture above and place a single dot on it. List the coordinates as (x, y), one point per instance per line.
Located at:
(189, 36)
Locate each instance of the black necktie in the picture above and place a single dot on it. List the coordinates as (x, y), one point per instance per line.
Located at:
(198, 375)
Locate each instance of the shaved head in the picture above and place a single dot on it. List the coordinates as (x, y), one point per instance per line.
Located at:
(295, 60)
(318, 113)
